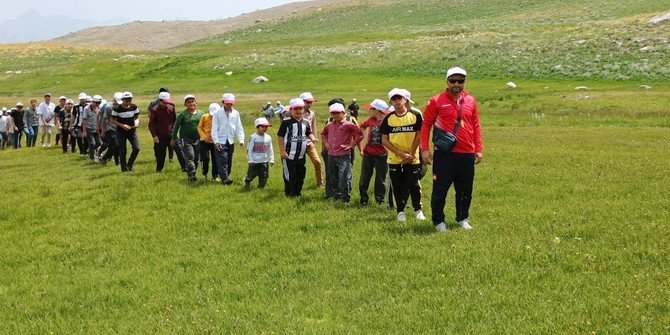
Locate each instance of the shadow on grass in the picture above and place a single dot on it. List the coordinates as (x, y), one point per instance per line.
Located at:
(415, 228)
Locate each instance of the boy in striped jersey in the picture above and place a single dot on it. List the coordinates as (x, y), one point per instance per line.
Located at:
(126, 119)
(292, 138)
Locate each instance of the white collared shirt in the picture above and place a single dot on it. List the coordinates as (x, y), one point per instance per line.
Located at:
(225, 126)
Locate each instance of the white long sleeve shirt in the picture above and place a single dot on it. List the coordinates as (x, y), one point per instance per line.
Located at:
(260, 150)
(225, 126)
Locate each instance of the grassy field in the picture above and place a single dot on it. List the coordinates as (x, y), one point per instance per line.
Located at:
(570, 210)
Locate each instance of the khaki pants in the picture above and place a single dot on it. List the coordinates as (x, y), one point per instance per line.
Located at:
(314, 157)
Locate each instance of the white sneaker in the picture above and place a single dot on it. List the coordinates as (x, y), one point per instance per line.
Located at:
(96, 158)
(465, 224)
(419, 215)
(401, 216)
(442, 228)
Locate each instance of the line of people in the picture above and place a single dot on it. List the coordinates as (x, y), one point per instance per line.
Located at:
(397, 142)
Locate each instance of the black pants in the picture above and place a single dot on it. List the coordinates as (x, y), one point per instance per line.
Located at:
(207, 154)
(77, 137)
(67, 140)
(378, 165)
(160, 150)
(405, 183)
(130, 136)
(452, 168)
(259, 170)
(294, 176)
(113, 146)
(224, 160)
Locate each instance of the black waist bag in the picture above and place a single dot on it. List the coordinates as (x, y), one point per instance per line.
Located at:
(444, 140)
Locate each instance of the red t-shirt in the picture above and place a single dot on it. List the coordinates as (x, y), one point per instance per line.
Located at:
(373, 145)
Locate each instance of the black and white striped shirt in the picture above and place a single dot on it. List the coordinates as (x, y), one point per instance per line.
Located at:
(295, 134)
(126, 115)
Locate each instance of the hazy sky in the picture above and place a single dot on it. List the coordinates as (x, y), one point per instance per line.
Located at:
(110, 10)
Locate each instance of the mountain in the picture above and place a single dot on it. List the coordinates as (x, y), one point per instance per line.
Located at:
(152, 35)
(32, 26)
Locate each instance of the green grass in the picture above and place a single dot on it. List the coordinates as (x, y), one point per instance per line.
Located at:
(570, 207)
(569, 238)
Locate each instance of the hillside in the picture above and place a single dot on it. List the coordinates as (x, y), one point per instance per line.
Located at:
(151, 35)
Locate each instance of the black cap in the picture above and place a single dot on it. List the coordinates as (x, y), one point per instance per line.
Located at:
(163, 89)
(336, 101)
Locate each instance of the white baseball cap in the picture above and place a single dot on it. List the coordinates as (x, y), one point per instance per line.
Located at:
(307, 96)
(126, 95)
(188, 96)
(456, 70)
(62, 97)
(117, 97)
(165, 96)
(213, 107)
(401, 92)
(82, 96)
(96, 98)
(336, 107)
(377, 104)
(261, 121)
(228, 98)
(296, 102)
(69, 101)
(19, 104)
(278, 102)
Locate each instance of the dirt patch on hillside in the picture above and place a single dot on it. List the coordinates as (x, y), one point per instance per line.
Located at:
(151, 35)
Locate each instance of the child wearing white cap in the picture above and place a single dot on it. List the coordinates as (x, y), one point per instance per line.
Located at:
(292, 138)
(339, 137)
(401, 136)
(260, 154)
(226, 124)
(374, 153)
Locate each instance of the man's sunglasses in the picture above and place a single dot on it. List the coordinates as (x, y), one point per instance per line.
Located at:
(454, 81)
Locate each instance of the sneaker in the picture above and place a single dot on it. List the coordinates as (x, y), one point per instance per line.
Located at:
(227, 181)
(49, 145)
(96, 159)
(465, 224)
(192, 179)
(44, 145)
(441, 227)
(419, 215)
(401, 216)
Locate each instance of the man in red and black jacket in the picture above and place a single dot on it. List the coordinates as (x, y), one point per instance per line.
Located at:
(458, 165)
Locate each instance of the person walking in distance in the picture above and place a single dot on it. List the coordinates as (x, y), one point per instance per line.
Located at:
(185, 130)
(126, 119)
(89, 126)
(226, 123)
(455, 111)
(259, 154)
(207, 150)
(46, 115)
(65, 121)
(161, 121)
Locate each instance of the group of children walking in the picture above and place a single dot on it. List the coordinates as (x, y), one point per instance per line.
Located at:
(101, 130)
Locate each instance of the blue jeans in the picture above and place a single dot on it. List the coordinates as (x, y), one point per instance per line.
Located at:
(340, 177)
(31, 135)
